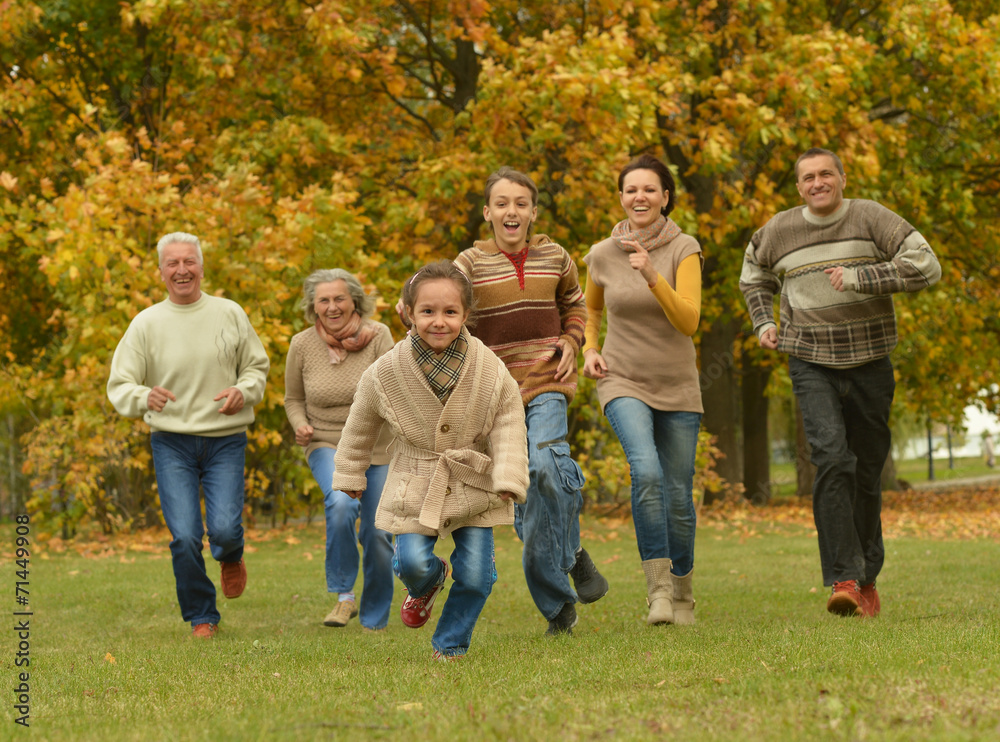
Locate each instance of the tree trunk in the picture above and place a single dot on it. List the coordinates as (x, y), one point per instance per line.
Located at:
(756, 451)
(889, 479)
(719, 397)
(805, 472)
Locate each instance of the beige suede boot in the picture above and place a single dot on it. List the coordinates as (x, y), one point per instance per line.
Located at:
(658, 591)
(683, 600)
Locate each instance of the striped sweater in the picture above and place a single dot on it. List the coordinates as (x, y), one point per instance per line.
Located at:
(880, 253)
(522, 318)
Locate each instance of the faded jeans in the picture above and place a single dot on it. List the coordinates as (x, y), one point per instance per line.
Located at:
(549, 522)
(343, 536)
(845, 413)
(474, 571)
(660, 446)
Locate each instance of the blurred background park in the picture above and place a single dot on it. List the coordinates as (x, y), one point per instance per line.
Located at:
(295, 135)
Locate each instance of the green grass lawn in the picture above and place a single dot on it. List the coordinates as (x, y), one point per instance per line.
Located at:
(112, 660)
(913, 471)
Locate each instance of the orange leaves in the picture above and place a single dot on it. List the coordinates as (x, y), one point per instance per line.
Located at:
(970, 512)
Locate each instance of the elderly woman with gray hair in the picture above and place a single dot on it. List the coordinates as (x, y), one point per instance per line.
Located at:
(324, 365)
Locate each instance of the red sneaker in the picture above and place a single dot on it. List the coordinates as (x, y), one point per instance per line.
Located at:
(870, 603)
(205, 631)
(417, 611)
(846, 599)
(234, 578)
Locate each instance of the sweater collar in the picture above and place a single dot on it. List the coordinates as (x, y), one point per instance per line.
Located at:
(823, 221)
(490, 246)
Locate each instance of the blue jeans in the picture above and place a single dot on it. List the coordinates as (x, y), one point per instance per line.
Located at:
(660, 446)
(845, 413)
(474, 570)
(549, 522)
(342, 537)
(182, 463)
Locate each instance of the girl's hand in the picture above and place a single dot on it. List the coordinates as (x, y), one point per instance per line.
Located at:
(594, 365)
(507, 496)
(304, 435)
(639, 260)
(354, 494)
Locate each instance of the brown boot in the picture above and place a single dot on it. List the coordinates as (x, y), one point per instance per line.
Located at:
(658, 591)
(683, 600)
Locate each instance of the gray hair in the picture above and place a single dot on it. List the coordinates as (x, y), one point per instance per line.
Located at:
(363, 303)
(184, 237)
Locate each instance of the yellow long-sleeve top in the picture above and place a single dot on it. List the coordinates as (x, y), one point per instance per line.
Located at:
(648, 346)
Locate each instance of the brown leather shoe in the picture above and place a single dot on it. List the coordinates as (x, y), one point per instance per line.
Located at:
(205, 631)
(234, 578)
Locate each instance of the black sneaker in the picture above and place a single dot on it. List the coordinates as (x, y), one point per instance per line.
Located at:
(564, 621)
(589, 583)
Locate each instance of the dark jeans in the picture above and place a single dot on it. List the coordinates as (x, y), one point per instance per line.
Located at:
(846, 417)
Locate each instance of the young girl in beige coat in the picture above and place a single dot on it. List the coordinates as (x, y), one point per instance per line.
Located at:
(459, 462)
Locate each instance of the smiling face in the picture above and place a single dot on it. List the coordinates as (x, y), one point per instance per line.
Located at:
(642, 197)
(182, 272)
(820, 184)
(438, 313)
(511, 212)
(333, 305)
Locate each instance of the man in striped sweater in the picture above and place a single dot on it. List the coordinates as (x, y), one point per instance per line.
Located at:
(842, 260)
(530, 312)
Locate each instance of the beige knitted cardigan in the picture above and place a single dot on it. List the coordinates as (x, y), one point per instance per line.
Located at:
(449, 461)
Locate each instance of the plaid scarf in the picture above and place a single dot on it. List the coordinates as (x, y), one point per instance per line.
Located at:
(442, 370)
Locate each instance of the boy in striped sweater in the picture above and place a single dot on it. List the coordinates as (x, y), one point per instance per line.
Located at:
(842, 260)
(531, 313)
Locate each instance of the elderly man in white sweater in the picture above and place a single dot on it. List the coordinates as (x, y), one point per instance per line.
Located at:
(193, 368)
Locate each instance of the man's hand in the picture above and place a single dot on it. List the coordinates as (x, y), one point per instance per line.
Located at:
(233, 403)
(836, 277)
(769, 339)
(158, 397)
(594, 365)
(567, 363)
(304, 435)
(354, 494)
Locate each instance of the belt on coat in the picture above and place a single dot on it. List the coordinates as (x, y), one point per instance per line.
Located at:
(464, 464)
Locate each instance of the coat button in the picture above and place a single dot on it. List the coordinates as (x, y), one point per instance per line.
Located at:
(447, 490)
(447, 522)
(445, 428)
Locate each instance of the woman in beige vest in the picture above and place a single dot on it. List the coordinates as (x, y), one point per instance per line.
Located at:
(325, 363)
(647, 275)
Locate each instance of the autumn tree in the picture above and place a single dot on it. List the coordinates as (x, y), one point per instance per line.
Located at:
(291, 136)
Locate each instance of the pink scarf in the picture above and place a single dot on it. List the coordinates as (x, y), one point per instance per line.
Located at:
(355, 336)
(657, 234)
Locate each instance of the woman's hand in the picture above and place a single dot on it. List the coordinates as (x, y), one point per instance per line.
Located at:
(507, 496)
(639, 260)
(354, 494)
(304, 435)
(594, 366)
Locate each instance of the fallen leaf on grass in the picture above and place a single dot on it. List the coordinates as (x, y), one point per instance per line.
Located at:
(109, 658)
(415, 706)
